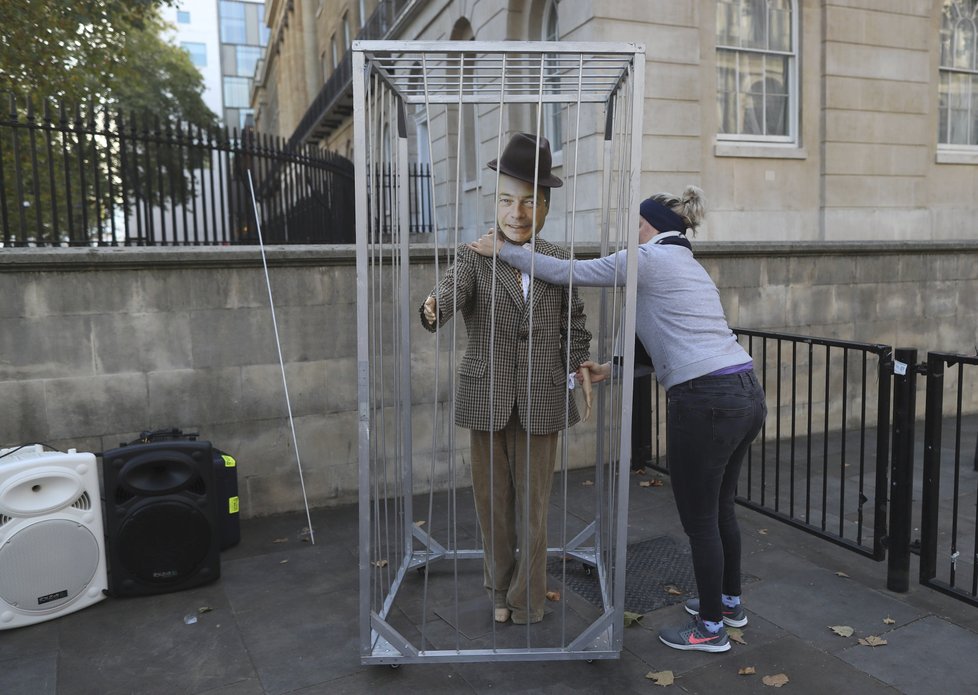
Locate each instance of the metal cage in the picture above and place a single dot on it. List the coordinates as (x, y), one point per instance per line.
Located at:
(451, 106)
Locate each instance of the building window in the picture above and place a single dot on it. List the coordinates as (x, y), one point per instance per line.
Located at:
(958, 89)
(237, 92)
(757, 67)
(197, 52)
(362, 11)
(346, 32)
(233, 25)
(333, 52)
(183, 17)
(247, 58)
(553, 113)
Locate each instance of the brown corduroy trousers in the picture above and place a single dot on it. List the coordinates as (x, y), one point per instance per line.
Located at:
(512, 500)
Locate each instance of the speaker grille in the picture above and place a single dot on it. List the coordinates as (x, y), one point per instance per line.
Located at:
(4, 519)
(164, 541)
(84, 502)
(47, 564)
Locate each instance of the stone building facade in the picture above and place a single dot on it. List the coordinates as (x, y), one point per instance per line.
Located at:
(803, 120)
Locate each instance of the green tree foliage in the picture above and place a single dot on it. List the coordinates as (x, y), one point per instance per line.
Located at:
(74, 71)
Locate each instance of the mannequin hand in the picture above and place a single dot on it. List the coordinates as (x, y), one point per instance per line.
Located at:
(430, 314)
(598, 372)
(490, 243)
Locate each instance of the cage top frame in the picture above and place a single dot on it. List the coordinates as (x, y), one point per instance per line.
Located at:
(502, 71)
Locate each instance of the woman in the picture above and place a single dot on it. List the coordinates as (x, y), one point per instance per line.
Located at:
(715, 403)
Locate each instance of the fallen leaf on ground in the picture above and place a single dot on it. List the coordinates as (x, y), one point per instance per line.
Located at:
(645, 483)
(872, 641)
(841, 574)
(204, 609)
(419, 523)
(380, 563)
(588, 483)
(281, 540)
(282, 562)
(841, 630)
(762, 531)
(553, 595)
(889, 621)
(662, 678)
(673, 590)
(638, 471)
(746, 671)
(775, 681)
(632, 618)
(736, 634)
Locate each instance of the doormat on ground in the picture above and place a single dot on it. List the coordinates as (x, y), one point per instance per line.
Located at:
(658, 573)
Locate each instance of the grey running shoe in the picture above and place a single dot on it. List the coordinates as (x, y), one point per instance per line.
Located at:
(732, 617)
(695, 637)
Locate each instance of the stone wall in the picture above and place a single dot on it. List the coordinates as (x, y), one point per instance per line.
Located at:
(99, 344)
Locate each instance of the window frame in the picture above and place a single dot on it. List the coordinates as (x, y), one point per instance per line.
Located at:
(201, 49)
(953, 152)
(791, 140)
(183, 17)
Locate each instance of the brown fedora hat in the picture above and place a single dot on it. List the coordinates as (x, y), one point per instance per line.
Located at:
(518, 158)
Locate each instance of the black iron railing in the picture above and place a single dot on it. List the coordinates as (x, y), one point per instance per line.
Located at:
(73, 176)
(420, 213)
(821, 462)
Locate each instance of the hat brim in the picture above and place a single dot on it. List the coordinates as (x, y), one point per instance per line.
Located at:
(547, 181)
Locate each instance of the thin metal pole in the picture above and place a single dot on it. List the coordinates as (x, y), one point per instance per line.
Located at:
(281, 362)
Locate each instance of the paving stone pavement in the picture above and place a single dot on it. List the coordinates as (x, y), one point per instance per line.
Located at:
(283, 619)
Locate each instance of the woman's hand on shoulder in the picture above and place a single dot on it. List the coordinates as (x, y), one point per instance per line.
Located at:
(488, 245)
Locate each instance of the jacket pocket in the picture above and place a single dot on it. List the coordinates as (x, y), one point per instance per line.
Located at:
(472, 367)
(558, 375)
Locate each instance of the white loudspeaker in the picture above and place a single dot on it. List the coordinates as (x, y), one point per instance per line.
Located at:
(52, 548)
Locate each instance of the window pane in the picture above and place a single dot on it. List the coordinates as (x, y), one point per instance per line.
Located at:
(753, 24)
(942, 125)
(232, 22)
(247, 58)
(237, 92)
(727, 91)
(726, 29)
(470, 140)
(958, 116)
(183, 17)
(197, 51)
(779, 29)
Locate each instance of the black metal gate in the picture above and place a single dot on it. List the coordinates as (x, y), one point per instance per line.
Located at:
(837, 456)
(949, 493)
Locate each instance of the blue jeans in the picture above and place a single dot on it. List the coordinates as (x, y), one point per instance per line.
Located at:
(712, 421)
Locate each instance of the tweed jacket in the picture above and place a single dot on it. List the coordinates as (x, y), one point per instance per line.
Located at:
(497, 374)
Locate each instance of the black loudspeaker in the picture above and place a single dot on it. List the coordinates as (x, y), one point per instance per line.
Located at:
(52, 552)
(161, 517)
(225, 481)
